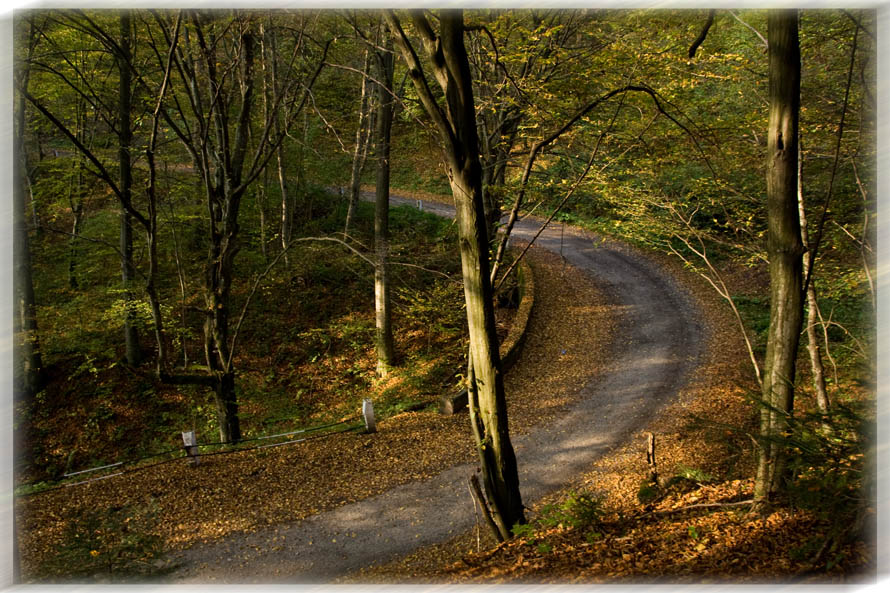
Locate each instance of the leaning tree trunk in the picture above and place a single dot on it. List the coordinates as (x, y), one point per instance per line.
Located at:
(496, 450)
(497, 458)
(382, 300)
(131, 337)
(784, 247)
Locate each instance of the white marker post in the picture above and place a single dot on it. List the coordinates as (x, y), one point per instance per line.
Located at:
(368, 413)
(190, 441)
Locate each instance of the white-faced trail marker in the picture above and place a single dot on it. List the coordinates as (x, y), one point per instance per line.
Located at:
(190, 442)
(368, 413)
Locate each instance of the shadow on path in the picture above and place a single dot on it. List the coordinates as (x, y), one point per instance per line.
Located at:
(658, 343)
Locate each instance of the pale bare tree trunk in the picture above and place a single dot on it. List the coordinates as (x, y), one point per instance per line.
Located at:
(261, 206)
(360, 153)
(816, 367)
(76, 203)
(301, 169)
(784, 247)
(287, 213)
(261, 190)
(383, 313)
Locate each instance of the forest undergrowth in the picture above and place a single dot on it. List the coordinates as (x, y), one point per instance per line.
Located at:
(295, 373)
(693, 523)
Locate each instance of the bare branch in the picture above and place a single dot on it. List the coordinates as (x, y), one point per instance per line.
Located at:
(703, 35)
(756, 32)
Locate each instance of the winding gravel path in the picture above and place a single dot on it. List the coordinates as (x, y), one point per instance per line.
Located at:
(658, 345)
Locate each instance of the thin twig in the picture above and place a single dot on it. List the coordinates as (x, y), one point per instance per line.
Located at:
(756, 32)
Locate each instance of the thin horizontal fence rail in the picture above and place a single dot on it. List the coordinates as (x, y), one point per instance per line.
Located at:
(185, 455)
(92, 469)
(152, 456)
(347, 429)
(301, 431)
(123, 471)
(272, 436)
(94, 479)
(312, 438)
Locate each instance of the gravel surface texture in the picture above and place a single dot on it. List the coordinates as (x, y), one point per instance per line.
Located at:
(657, 336)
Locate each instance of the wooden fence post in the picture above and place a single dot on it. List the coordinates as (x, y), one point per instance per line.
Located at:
(650, 458)
(190, 441)
(368, 413)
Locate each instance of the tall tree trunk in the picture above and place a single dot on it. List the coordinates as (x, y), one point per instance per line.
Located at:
(75, 201)
(28, 366)
(287, 213)
(267, 93)
(218, 282)
(261, 206)
(497, 458)
(457, 128)
(494, 169)
(816, 367)
(784, 247)
(77, 210)
(131, 337)
(384, 338)
(360, 153)
(224, 195)
(300, 186)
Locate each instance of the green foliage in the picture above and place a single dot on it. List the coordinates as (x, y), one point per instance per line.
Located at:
(647, 492)
(137, 310)
(826, 457)
(116, 543)
(755, 313)
(439, 307)
(579, 511)
(693, 474)
(831, 473)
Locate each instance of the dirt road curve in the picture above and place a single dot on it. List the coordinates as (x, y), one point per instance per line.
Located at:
(658, 346)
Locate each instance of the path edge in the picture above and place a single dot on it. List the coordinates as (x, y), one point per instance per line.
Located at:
(511, 347)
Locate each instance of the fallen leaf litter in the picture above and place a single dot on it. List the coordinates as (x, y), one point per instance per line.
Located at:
(240, 492)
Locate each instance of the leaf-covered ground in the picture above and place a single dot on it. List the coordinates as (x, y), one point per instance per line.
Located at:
(676, 537)
(698, 530)
(228, 494)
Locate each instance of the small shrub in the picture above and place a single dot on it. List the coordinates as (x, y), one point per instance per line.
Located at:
(693, 474)
(578, 511)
